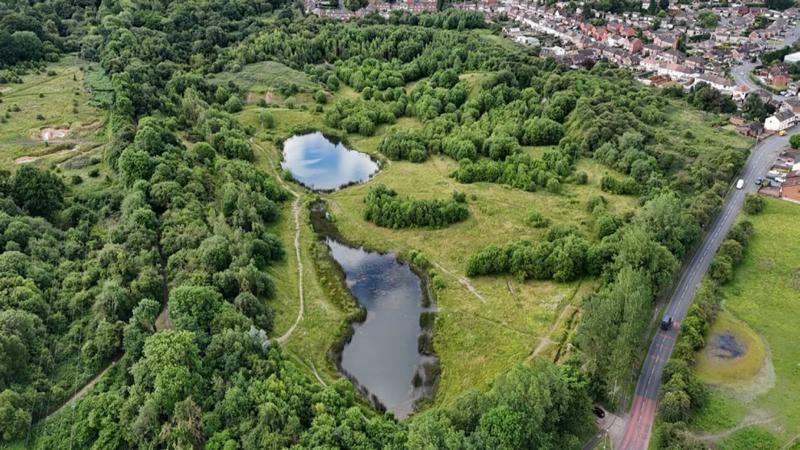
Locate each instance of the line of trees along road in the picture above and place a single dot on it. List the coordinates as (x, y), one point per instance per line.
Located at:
(84, 283)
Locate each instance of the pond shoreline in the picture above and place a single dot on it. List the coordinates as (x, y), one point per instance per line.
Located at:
(427, 371)
(338, 144)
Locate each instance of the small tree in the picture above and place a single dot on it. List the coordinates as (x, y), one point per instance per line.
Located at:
(794, 141)
(753, 204)
(267, 119)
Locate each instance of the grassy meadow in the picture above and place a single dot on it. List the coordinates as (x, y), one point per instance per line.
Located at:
(52, 119)
(765, 296)
(485, 325)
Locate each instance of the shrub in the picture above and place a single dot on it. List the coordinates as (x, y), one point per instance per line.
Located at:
(538, 220)
(386, 209)
(754, 203)
(794, 141)
(267, 119)
(459, 197)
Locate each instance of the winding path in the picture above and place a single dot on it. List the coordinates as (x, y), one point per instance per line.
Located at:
(81, 392)
(723, 434)
(296, 217)
(301, 310)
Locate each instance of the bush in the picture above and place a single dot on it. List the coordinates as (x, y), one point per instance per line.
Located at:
(459, 197)
(581, 177)
(404, 145)
(267, 119)
(624, 186)
(754, 203)
(562, 259)
(741, 232)
(233, 104)
(721, 269)
(794, 141)
(386, 209)
(538, 220)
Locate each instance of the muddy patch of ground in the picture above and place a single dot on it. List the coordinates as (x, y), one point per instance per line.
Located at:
(270, 98)
(725, 346)
(30, 159)
(735, 356)
(48, 134)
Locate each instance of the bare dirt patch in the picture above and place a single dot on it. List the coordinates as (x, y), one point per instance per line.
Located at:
(26, 159)
(48, 134)
(31, 158)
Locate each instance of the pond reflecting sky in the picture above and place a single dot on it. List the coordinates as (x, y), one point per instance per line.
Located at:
(322, 165)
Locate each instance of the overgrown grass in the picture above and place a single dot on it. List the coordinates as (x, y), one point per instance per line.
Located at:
(265, 76)
(764, 294)
(56, 97)
(751, 438)
(476, 338)
(736, 371)
(720, 412)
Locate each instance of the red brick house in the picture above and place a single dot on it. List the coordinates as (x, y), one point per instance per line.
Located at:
(791, 187)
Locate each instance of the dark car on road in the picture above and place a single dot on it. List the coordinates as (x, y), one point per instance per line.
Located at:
(598, 411)
(666, 323)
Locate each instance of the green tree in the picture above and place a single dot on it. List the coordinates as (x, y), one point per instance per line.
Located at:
(754, 109)
(794, 140)
(754, 203)
(13, 416)
(39, 192)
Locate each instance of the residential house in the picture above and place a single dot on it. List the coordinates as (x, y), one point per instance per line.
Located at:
(791, 104)
(634, 45)
(738, 121)
(721, 84)
(791, 187)
(665, 40)
(780, 121)
(750, 130)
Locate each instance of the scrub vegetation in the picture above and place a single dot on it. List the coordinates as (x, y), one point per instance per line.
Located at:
(173, 271)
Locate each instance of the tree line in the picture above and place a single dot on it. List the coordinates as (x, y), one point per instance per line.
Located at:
(183, 221)
(385, 208)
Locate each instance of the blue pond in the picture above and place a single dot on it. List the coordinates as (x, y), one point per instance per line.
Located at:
(322, 165)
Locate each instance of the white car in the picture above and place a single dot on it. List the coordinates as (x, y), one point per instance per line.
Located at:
(740, 184)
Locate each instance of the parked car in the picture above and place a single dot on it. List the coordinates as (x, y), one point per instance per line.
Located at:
(759, 181)
(666, 323)
(740, 184)
(598, 411)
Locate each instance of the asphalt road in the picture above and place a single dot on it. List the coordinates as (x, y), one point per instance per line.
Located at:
(640, 420)
(741, 73)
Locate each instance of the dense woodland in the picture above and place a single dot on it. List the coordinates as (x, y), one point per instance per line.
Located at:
(182, 225)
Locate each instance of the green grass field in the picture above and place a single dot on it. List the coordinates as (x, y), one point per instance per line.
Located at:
(59, 103)
(734, 372)
(477, 337)
(265, 80)
(765, 295)
(54, 121)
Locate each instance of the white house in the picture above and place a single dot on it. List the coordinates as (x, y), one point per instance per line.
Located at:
(780, 121)
(792, 57)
